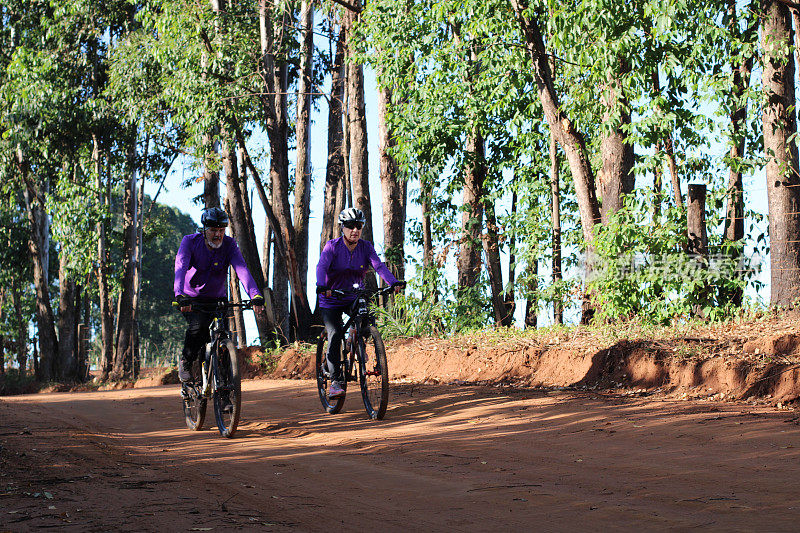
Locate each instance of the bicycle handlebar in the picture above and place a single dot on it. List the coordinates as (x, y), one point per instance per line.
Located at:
(366, 292)
(214, 306)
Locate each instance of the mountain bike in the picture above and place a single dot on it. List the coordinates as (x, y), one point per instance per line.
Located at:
(363, 357)
(215, 376)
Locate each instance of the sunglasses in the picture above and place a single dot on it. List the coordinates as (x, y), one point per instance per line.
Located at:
(353, 225)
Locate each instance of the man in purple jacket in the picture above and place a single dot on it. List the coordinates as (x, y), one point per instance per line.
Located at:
(343, 263)
(201, 273)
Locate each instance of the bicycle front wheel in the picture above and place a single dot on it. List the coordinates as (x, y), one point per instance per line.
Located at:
(373, 373)
(331, 406)
(227, 389)
(194, 405)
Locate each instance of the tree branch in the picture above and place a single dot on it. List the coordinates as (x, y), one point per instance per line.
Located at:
(351, 7)
(789, 3)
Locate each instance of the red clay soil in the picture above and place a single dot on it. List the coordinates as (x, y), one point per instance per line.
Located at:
(558, 433)
(747, 361)
(446, 458)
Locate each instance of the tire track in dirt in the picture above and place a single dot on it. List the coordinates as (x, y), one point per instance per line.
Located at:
(445, 458)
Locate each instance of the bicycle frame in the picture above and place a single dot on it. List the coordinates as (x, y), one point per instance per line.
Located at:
(218, 378)
(360, 319)
(364, 357)
(218, 332)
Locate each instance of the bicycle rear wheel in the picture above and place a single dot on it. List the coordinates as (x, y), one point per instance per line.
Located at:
(373, 373)
(227, 390)
(331, 406)
(194, 405)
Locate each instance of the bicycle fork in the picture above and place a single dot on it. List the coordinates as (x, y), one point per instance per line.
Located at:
(206, 372)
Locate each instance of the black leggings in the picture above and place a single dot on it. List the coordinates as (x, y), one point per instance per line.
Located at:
(197, 334)
(332, 318)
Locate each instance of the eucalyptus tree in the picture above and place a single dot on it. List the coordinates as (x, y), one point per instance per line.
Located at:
(335, 184)
(394, 189)
(461, 91)
(302, 181)
(14, 277)
(43, 121)
(780, 147)
(237, 89)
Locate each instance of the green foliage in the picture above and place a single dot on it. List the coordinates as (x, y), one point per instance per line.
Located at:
(642, 269)
(411, 315)
(75, 215)
(272, 352)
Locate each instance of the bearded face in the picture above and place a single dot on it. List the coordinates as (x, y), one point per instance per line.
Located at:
(214, 237)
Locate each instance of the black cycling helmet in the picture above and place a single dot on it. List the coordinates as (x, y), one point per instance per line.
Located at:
(214, 217)
(352, 215)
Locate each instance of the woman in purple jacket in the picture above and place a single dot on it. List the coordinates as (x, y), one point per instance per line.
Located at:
(343, 263)
(201, 274)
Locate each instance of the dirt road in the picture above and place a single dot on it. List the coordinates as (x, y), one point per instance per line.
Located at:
(447, 458)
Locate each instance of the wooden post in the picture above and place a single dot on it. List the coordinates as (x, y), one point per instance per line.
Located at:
(696, 221)
(697, 245)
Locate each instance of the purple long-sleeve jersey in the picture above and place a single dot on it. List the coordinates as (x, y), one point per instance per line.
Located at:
(339, 268)
(202, 272)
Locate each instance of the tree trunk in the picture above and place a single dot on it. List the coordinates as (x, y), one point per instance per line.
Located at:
(509, 296)
(106, 317)
(658, 171)
(22, 328)
(469, 254)
(280, 216)
(237, 319)
(302, 186)
(126, 334)
(394, 191)
(268, 245)
(137, 264)
(697, 246)
(280, 287)
(696, 221)
(278, 133)
(430, 291)
(734, 211)
(571, 140)
(616, 176)
(240, 334)
(357, 124)
(38, 246)
(82, 302)
(673, 172)
(532, 302)
(241, 230)
(210, 176)
(491, 247)
(780, 126)
(555, 214)
(667, 146)
(67, 322)
(348, 171)
(2, 337)
(334, 172)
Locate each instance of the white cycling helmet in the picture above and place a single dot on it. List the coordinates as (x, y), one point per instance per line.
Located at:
(352, 215)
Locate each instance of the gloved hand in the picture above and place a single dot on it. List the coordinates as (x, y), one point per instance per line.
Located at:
(321, 289)
(398, 286)
(258, 303)
(183, 303)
